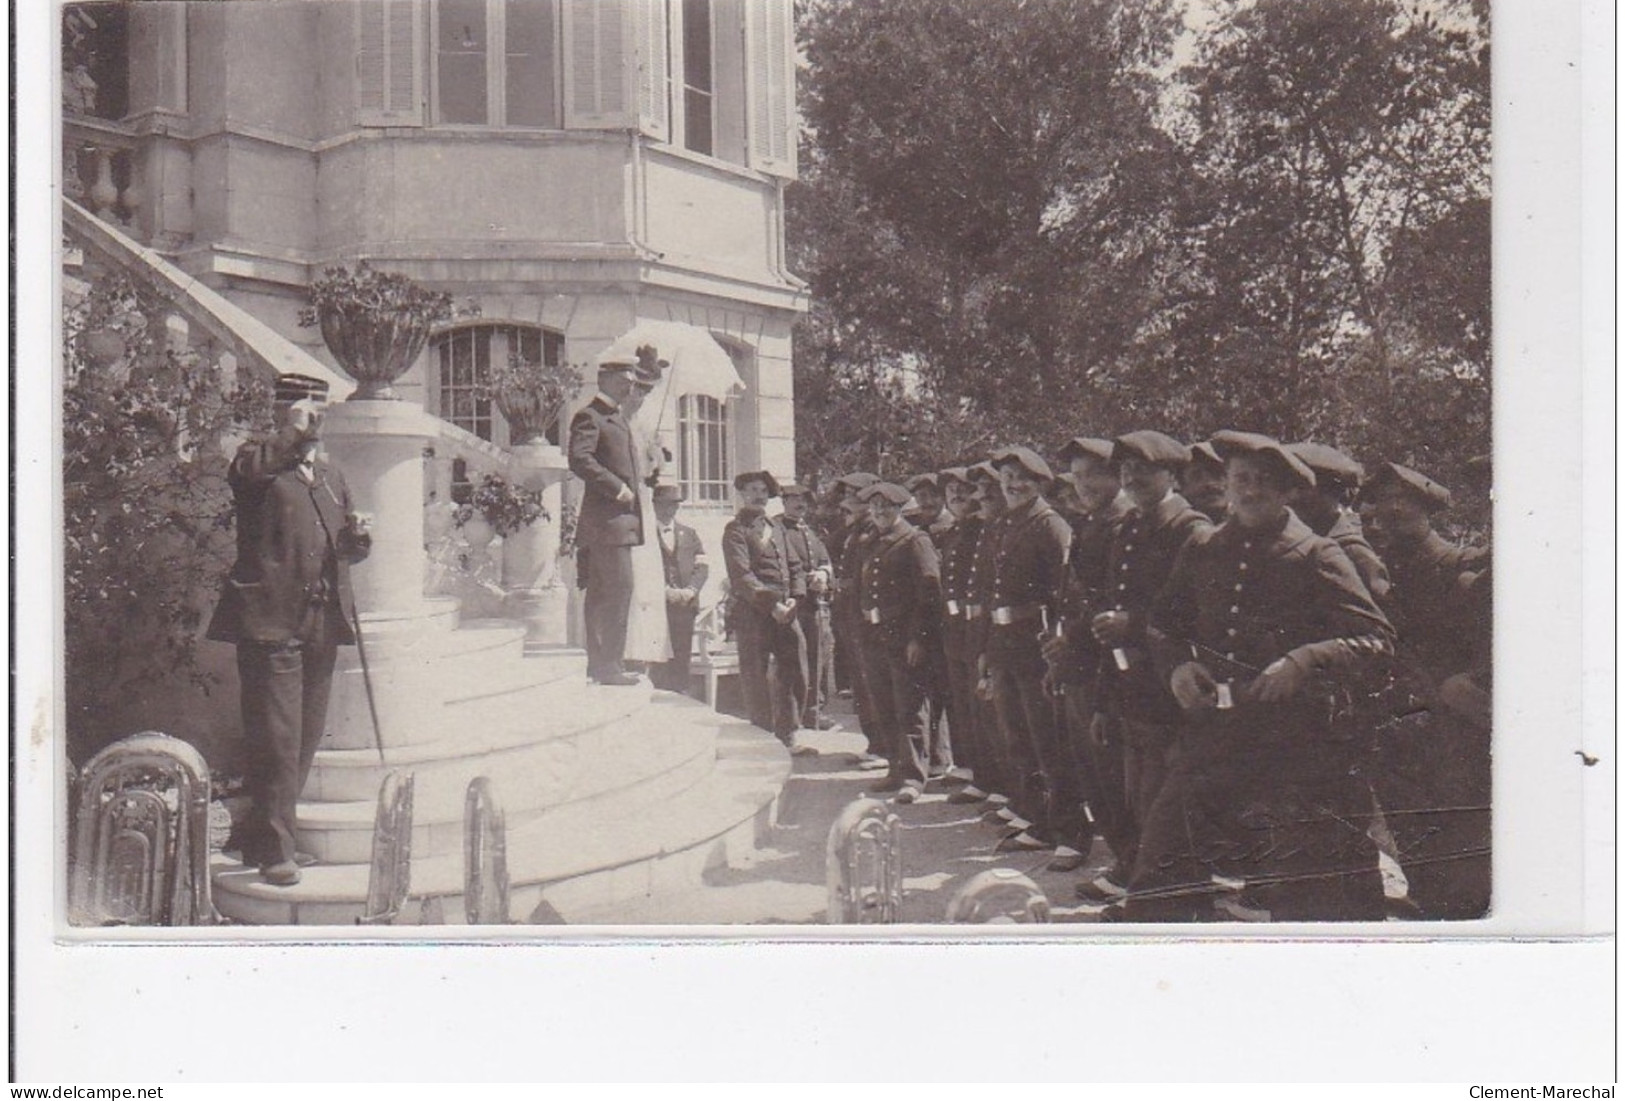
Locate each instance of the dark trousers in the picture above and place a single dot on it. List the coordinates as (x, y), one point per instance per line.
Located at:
(1147, 750)
(1097, 755)
(285, 687)
(1041, 767)
(959, 665)
(849, 629)
(1433, 785)
(820, 640)
(605, 608)
(774, 704)
(897, 692)
(673, 675)
(939, 726)
(1295, 832)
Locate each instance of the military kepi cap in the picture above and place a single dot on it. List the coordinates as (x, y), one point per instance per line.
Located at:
(1026, 458)
(1229, 444)
(616, 361)
(1328, 463)
(889, 492)
(1092, 446)
(1429, 493)
(293, 387)
(772, 483)
(1150, 447)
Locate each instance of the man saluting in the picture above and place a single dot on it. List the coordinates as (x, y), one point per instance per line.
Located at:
(288, 606)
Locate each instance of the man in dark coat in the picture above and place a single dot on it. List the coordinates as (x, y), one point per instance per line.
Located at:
(1432, 774)
(812, 605)
(687, 570)
(1259, 627)
(1325, 508)
(899, 602)
(763, 577)
(1134, 702)
(1074, 657)
(287, 605)
(848, 546)
(604, 456)
(957, 551)
(934, 518)
(1029, 572)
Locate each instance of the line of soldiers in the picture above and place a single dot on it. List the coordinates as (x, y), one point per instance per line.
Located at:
(1192, 653)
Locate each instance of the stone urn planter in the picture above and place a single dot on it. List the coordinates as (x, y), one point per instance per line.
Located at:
(531, 396)
(375, 323)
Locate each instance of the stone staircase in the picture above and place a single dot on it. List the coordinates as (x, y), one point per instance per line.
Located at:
(611, 794)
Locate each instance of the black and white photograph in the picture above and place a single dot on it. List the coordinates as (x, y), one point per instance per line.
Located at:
(863, 469)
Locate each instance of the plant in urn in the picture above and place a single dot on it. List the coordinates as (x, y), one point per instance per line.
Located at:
(375, 323)
(531, 396)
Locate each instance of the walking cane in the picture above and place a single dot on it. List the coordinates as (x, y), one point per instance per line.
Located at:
(366, 680)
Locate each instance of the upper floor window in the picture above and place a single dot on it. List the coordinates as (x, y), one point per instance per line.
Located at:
(699, 77)
(463, 359)
(496, 62)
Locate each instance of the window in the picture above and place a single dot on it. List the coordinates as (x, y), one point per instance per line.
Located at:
(465, 357)
(704, 449)
(496, 62)
(699, 79)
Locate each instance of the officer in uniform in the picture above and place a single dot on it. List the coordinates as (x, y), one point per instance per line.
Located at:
(813, 611)
(1202, 483)
(288, 606)
(1255, 631)
(1325, 508)
(933, 518)
(1134, 701)
(900, 603)
(763, 578)
(1438, 756)
(1029, 572)
(1074, 656)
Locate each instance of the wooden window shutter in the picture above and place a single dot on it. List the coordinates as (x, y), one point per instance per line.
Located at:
(770, 85)
(599, 56)
(389, 62)
(654, 101)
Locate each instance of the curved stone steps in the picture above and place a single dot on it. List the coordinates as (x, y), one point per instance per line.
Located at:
(588, 856)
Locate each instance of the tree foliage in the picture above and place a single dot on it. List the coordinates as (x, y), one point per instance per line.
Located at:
(1024, 220)
(147, 430)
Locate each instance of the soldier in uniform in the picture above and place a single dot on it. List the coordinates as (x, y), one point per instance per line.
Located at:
(1259, 624)
(813, 611)
(763, 578)
(957, 551)
(1325, 508)
(1029, 572)
(848, 545)
(936, 521)
(1433, 771)
(1136, 707)
(288, 606)
(1074, 655)
(899, 602)
(988, 496)
(1202, 482)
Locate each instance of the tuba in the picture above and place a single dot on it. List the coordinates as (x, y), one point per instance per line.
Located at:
(999, 896)
(485, 856)
(141, 852)
(864, 865)
(390, 877)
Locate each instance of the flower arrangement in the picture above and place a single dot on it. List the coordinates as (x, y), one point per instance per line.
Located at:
(531, 395)
(503, 505)
(375, 323)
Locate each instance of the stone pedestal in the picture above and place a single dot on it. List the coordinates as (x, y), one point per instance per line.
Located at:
(378, 445)
(530, 557)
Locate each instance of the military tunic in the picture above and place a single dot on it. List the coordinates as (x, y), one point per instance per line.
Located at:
(1262, 791)
(958, 555)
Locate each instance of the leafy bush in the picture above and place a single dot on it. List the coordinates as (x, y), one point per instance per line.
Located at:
(505, 506)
